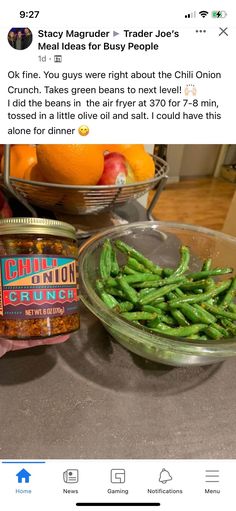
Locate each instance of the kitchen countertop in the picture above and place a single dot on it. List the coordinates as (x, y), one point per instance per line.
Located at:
(90, 398)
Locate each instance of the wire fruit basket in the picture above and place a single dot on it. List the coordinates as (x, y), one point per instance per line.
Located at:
(80, 200)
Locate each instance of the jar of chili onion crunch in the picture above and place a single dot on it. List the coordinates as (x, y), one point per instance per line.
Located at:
(38, 278)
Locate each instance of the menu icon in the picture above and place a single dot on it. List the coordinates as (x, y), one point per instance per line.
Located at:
(212, 476)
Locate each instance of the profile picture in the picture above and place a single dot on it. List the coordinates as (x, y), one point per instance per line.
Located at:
(20, 38)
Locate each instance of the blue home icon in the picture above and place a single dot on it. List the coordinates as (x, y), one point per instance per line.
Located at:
(23, 476)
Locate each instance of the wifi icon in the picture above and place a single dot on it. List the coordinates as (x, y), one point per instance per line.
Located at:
(203, 14)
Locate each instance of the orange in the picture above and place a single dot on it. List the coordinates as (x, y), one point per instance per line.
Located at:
(141, 163)
(22, 157)
(34, 174)
(72, 164)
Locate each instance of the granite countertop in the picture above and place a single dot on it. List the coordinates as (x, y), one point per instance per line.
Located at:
(90, 398)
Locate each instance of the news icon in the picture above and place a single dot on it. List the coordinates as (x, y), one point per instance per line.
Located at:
(71, 475)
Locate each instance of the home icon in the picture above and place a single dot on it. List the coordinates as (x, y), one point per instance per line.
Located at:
(23, 476)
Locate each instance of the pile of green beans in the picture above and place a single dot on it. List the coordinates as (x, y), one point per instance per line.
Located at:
(169, 301)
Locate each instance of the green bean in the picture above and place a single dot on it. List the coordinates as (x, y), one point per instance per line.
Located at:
(177, 314)
(115, 269)
(144, 278)
(200, 298)
(146, 291)
(207, 264)
(180, 331)
(210, 318)
(190, 311)
(213, 333)
(151, 308)
(168, 300)
(167, 272)
(132, 279)
(226, 322)
(129, 292)
(128, 271)
(138, 316)
(223, 331)
(135, 265)
(179, 317)
(211, 284)
(163, 318)
(208, 273)
(162, 282)
(105, 259)
(111, 282)
(161, 305)
(114, 291)
(109, 300)
(179, 292)
(194, 285)
(124, 307)
(162, 291)
(219, 311)
(185, 257)
(230, 294)
(127, 249)
(194, 315)
(211, 301)
(231, 327)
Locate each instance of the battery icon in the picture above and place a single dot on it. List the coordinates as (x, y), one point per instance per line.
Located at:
(219, 14)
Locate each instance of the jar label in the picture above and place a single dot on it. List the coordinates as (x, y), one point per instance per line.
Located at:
(37, 286)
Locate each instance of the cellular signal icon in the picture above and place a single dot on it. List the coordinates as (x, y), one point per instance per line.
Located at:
(191, 15)
(203, 14)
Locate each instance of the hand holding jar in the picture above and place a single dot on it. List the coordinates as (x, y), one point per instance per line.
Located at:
(8, 345)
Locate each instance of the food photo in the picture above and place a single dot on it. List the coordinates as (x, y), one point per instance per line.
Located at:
(117, 301)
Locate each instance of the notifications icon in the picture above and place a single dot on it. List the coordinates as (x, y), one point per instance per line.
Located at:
(164, 476)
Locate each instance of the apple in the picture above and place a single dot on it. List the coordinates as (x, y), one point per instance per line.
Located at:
(115, 171)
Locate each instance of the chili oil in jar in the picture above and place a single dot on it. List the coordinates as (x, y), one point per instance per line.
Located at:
(38, 278)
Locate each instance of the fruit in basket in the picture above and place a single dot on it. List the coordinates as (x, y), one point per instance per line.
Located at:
(117, 170)
(22, 158)
(34, 174)
(72, 164)
(141, 163)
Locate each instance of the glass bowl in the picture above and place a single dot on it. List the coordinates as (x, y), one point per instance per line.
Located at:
(160, 242)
